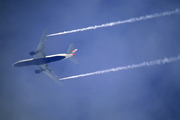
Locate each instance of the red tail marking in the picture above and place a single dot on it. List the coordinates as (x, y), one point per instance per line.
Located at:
(74, 50)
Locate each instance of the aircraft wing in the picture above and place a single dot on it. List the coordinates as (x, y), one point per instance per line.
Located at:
(40, 51)
(46, 69)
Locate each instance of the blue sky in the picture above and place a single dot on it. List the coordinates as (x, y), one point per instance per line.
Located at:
(143, 93)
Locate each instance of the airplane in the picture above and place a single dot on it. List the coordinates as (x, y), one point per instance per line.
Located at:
(41, 60)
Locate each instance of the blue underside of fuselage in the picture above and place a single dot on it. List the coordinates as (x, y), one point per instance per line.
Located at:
(39, 61)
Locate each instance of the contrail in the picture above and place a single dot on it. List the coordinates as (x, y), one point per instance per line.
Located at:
(151, 63)
(120, 22)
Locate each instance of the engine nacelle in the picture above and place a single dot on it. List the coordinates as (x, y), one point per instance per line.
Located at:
(32, 53)
(37, 71)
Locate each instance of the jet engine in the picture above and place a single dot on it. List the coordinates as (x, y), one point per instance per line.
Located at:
(37, 71)
(32, 53)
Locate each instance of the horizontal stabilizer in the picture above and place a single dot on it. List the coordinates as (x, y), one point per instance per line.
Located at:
(74, 60)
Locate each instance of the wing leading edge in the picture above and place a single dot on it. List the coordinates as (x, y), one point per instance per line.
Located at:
(40, 53)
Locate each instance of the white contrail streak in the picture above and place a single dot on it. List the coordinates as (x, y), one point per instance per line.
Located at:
(120, 22)
(151, 63)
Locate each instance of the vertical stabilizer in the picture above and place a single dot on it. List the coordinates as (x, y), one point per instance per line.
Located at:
(71, 51)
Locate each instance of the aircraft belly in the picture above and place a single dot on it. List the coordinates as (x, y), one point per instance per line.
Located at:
(47, 60)
(56, 58)
(39, 61)
(25, 63)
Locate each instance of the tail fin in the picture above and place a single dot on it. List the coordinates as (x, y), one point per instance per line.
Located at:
(71, 51)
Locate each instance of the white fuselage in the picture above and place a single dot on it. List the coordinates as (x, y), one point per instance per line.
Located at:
(40, 61)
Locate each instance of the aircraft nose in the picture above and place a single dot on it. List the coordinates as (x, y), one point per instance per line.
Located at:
(15, 64)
